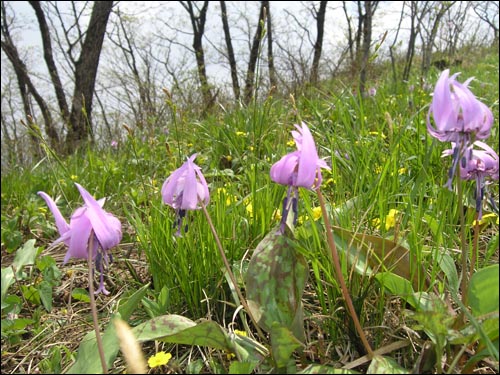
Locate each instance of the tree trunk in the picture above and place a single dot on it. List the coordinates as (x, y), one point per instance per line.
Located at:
(318, 46)
(80, 125)
(230, 51)
(198, 24)
(270, 57)
(254, 54)
(26, 87)
(49, 60)
(367, 39)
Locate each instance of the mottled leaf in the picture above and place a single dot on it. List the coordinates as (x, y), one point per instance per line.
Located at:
(275, 281)
(180, 330)
(384, 365)
(283, 344)
(323, 369)
(378, 254)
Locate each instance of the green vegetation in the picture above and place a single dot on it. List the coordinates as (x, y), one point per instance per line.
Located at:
(386, 182)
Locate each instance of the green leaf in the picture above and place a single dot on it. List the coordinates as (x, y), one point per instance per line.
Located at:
(275, 281)
(180, 330)
(483, 291)
(447, 264)
(384, 365)
(24, 256)
(80, 294)
(237, 367)
(283, 344)
(373, 253)
(7, 280)
(88, 361)
(323, 369)
(45, 291)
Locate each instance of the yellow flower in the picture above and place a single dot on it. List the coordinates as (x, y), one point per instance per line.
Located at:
(277, 215)
(291, 143)
(241, 134)
(249, 208)
(74, 177)
(390, 220)
(378, 169)
(486, 219)
(159, 359)
(402, 170)
(240, 333)
(316, 213)
(377, 133)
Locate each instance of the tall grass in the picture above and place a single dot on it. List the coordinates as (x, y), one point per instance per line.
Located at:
(380, 155)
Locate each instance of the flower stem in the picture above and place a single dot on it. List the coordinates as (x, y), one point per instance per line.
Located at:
(230, 272)
(465, 252)
(338, 271)
(93, 306)
(474, 245)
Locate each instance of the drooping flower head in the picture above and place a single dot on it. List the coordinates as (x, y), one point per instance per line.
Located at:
(479, 165)
(459, 117)
(299, 168)
(185, 189)
(89, 219)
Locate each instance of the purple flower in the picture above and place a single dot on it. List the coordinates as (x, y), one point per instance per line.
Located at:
(458, 118)
(478, 165)
(184, 190)
(298, 168)
(90, 218)
(457, 114)
(114, 144)
(372, 91)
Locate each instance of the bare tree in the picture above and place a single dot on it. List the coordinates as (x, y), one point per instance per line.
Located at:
(393, 46)
(319, 15)
(367, 17)
(254, 54)
(198, 24)
(49, 60)
(26, 88)
(80, 125)
(487, 11)
(270, 56)
(430, 22)
(230, 51)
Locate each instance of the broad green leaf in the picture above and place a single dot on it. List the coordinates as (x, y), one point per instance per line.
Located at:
(283, 344)
(80, 294)
(237, 367)
(384, 365)
(398, 286)
(447, 264)
(88, 361)
(7, 281)
(45, 291)
(275, 281)
(323, 369)
(181, 330)
(25, 255)
(380, 255)
(483, 291)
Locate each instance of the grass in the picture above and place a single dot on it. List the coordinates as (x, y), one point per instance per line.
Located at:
(381, 158)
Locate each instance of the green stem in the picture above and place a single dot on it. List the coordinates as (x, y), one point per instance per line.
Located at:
(230, 272)
(338, 271)
(93, 306)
